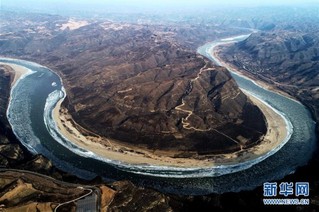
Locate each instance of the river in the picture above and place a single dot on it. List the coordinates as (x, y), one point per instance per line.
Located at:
(30, 114)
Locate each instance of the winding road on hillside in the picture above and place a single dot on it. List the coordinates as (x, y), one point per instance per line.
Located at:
(34, 92)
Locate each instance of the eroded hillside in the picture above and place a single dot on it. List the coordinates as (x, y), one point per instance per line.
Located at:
(140, 85)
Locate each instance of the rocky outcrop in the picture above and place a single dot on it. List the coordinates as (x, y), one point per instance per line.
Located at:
(128, 197)
(30, 192)
(13, 152)
(10, 151)
(6, 77)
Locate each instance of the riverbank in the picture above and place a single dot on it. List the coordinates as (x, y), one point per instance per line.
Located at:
(19, 71)
(198, 180)
(215, 52)
(113, 150)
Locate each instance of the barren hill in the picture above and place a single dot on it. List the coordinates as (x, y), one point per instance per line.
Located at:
(287, 58)
(139, 85)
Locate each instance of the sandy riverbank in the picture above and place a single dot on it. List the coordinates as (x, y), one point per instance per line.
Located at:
(114, 150)
(19, 71)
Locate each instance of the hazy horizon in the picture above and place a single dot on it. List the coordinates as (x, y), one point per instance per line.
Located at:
(182, 3)
(169, 9)
(140, 4)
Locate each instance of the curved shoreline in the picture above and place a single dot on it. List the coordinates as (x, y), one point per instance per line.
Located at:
(144, 167)
(144, 161)
(196, 181)
(63, 125)
(213, 52)
(231, 159)
(20, 73)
